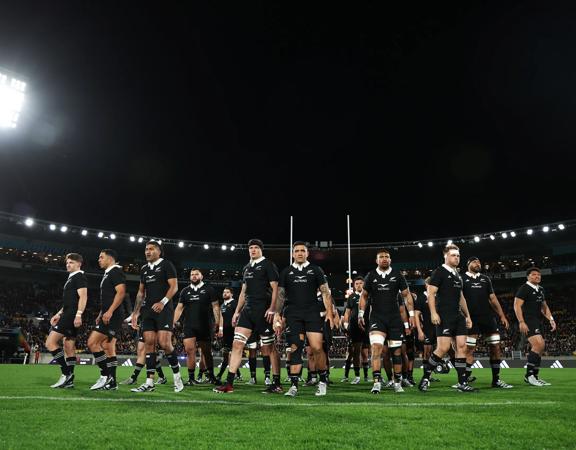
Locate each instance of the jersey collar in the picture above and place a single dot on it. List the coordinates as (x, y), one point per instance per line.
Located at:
(198, 286)
(300, 267)
(256, 261)
(386, 272)
(155, 263)
(74, 273)
(473, 275)
(227, 302)
(533, 286)
(450, 269)
(111, 267)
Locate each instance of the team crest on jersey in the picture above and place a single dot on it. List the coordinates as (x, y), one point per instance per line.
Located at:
(310, 272)
(393, 279)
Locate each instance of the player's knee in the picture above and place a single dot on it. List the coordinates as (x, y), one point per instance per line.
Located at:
(471, 341)
(493, 340)
(239, 340)
(267, 341)
(395, 346)
(296, 353)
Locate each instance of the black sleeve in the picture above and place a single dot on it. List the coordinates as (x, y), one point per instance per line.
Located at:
(418, 302)
(181, 297)
(127, 304)
(282, 280)
(436, 278)
(81, 281)
(349, 304)
(320, 276)
(272, 271)
(170, 271)
(367, 285)
(490, 287)
(522, 292)
(142, 277)
(212, 294)
(117, 277)
(402, 282)
(244, 274)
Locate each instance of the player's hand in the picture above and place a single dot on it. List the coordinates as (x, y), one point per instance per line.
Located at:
(106, 317)
(361, 323)
(277, 325)
(216, 328)
(412, 322)
(421, 336)
(77, 321)
(220, 333)
(235, 318)
(468, 322)
(134, 321)
(435, 318)
(524, 328)
(552, 325)
(504, 321)
(54, 320)
(408, 331)
(269, 315)
(158, 307)
(330, 319)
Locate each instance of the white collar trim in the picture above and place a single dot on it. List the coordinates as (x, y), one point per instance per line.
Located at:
(111, 267)
(386, 272)
(227, 302)
(473, 275)
(155, 263)
(533, 286)
(198, 286)
(450, 269)
(74, 273)
(301, 266)
(256, 261)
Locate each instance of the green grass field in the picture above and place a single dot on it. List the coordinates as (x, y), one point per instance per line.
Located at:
(33, 415)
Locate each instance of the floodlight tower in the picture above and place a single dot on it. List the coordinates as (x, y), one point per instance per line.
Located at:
(12, 96)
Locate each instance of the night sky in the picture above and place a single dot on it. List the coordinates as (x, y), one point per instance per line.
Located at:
(205, 123)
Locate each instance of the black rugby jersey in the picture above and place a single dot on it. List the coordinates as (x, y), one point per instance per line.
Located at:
(301, 284)
(112, 278)
(228, 310)
(75, 281)
(197, 302)
(383, 288)
(533, 298)
(257, 277)
(477, 291)
(155, 279)
(449, 286)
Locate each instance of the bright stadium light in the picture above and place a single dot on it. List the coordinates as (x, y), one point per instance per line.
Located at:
(52, 227)
(449, 242)
(513, 233)
(561, 226)
(504, 235)
(476, 238)
(492, 237)
(140, 240)
(112, 236)
(546, 229)
(84, 232)
(11, 99)
(224, 247)
(63, 228)
(100, 234)
(232, 248)
(206, 246)
(529, 231)
(420, 244)
(181, 244)
(132, 239)
(430, 243)
(29, 222)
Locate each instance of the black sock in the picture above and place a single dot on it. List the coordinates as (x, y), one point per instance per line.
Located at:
(365, 369)
(314, 374)
(536, 367)
(230, 378)
(224, 365)
(300, 371)
(460, 365)
(495, 365)
(159, 368)
(429, 365)
(71, 363)
(468, 371)
(276, 380)
(102, 361)
(294, 380)
(151, 365)
(58, 355)
(388, 372)
(531, 364)
(191, 373)
(266, 363)
(377, 375)
(347, 368)
(323, 376)
(397, 377)
(112, 364)
(410, 374)
(137, 371)
(356, 371)
(252, 366)
(173, 361)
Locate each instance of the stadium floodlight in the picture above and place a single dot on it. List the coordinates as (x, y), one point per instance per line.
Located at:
(84, 232)
(181, 244)
(492, 237)
(112, 236)
(420, 244)
(63, 228)
(430, 243)
(504, 235)
(29, 222)
(561, 226)
(513, 233)
(450, 242)
(546, 229)
(232, 248)
(132, 239)
(11, 99)
(52, 227)
(100, 234)
(206, 246)
(529, 231)
(476, 238)
(224, 247)
(140, 240)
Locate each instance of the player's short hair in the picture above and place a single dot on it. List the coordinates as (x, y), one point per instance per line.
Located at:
(257, 242)
(359, 278)
(110, 252)
(228, 289)
(195, 269)
(75, 257)
(299, 243)
(155, 244)
(383, 250)
(533, 269)
(450, 247)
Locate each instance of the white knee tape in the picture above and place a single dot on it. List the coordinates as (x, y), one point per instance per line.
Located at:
(376, 339)
(240, 337)
(252, 346)
(394, 344)
(493, 340)
(471, 341)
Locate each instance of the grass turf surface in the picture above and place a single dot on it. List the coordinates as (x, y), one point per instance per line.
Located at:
(349, 417)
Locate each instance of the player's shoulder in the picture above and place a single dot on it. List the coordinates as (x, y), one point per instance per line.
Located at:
(144, 267)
